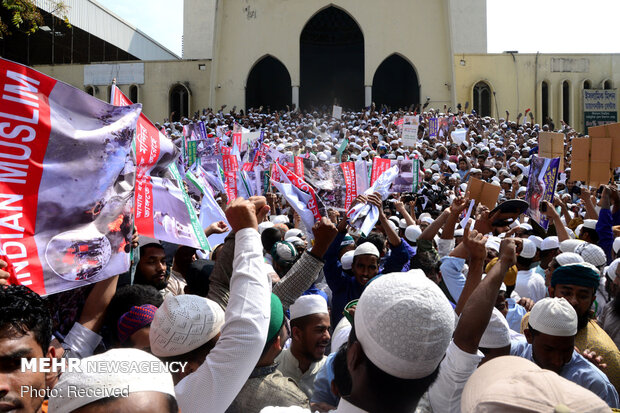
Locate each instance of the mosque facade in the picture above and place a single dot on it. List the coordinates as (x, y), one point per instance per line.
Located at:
(313, 54)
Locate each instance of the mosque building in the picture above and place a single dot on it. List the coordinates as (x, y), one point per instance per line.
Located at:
(313, 54)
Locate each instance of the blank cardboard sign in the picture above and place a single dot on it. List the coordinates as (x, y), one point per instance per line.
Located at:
(483, 192)
(551, 145)
(580, 159)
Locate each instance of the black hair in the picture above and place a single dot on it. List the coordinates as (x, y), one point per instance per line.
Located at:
(197, 277)
(183, 258)
(173, 406)
(594, 238)
(524, 262)
(126, 297)
(375, 238)
(23, 311)
(428, 262)
(393, 388)
(270, 236)
(150, 245)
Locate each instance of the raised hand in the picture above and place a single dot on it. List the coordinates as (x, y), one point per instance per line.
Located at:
(475, 243)
(241, 214)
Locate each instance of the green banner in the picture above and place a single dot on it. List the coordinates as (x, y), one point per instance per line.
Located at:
(343, 146)
(416, 175)
(198, 231)
(192, 150)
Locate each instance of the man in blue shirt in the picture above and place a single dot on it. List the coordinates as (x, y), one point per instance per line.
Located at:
(551, 345)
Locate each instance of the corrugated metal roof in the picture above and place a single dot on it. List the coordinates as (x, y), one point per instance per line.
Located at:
(92, 17)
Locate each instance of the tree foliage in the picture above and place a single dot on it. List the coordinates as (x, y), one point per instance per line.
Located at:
(25, 16)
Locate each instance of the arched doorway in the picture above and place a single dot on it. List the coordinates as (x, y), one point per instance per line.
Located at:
(133, 93)
(482, 99)
(268, 85)
(544, 92)
(179, 102)
(395, 84)
(566, 102)
(331, 61)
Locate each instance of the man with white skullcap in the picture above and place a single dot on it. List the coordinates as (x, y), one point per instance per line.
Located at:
(563, 258)
(523, 386)
(367, 261)
(482, 332)
(93, 391)
(529, 283)
(402, 326)
(309, 339)
(578, 283)
(550, 335)
(187, 331)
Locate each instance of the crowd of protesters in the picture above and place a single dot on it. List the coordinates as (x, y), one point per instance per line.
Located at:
(426, 313)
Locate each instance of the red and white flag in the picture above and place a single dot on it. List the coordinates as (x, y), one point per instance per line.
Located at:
(66, 182)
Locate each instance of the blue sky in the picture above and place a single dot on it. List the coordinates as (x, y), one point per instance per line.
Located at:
(546, 26)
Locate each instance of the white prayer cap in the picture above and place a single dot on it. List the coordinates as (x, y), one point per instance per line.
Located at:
(264, 225)
(308, 304)
(507, 181)
(279, 219)
(497, 333)
(616, 245)
(569, 245)
(493, 243)
(404, 323)
(550, 243)
(566, 258)
(347, 260)
(592, 253)
(528, 249)
(402, 224)
(611, 270)
(393, 225)
(322, 157)
(578, 230)
(554, 317)
(394, 219)
(367, 248)
(295, 232)
(91, 384)
(183, 323)
(428, 220)
(590, 223)
(511, 384)
(412, 232)
(526, 227)
(536, 240)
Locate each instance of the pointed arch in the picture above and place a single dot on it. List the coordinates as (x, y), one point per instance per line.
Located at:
(268, 84)
(331, 50)
(482, 98)
(395, 83)
(179, 98)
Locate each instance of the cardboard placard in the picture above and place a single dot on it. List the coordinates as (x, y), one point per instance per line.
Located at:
(551, 145)
(600, 160)
(613, 131)
(483, 192)
(580, 159)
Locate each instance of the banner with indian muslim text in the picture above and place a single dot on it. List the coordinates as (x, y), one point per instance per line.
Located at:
(66, 182)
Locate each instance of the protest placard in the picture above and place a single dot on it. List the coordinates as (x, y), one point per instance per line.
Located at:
(551, 145)
(337, 112)
(410, 130)
(483, 192)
